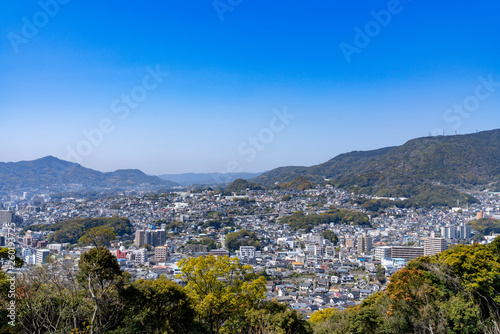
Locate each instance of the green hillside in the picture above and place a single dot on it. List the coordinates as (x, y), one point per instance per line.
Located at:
(240, 185)
(299, 183)
(443, 162)
(485, 226)
(71, 231)
(50, 173)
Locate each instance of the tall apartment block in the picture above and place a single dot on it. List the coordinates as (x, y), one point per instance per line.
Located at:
(153, 238)
(364, 244)
(434, 245)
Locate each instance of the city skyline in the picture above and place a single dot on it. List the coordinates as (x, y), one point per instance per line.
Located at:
(215, 87)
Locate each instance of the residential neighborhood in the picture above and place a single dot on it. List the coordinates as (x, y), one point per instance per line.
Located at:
(304, 268)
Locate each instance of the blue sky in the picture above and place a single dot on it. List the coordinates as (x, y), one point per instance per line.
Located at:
(67, 67)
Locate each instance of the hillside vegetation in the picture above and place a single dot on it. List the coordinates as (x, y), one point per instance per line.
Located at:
(485, 226)
(300, 183)
(298, 220)
(71, 231)
(435, 163)
(55, 174)
(241, 238)
(241, 185)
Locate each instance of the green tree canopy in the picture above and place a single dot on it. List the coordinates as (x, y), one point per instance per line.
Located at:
(98, 236)
(221, 287)
(159, 306)
(241, 238)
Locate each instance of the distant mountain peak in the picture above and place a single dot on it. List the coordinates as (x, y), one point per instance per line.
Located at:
(461, 161)
(53, 174)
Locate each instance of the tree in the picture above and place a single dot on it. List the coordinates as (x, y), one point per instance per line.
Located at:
(478, 270)
(322, 315)
(241, 238)
(222, 288)
(380, 274)
(9, 255)
(270, 317)
(494, 247)
(415, 299)
(330, 235)
(49, 303)
(98, 236)
(99, 273)
(286, 198)
(157, 306)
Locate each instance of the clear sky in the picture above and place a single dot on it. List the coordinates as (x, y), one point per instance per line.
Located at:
(87, 81)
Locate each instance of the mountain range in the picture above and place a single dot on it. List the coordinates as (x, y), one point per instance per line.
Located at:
(52, 174)
(470, 161)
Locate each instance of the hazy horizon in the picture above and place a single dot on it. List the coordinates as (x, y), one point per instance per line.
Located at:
(189, 87)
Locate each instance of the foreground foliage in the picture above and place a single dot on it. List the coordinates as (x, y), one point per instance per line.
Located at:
(457, 291)
(220, 296)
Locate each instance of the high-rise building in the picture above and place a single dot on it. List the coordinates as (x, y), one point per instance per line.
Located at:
(364, 244)
(6, 216)
(151, 237)
(41, 256)
(160, 237)
(160, 254)
(406, 252)
(449, 232)
(139, 238)
(383, 252)
(434, 245)
(464, 231)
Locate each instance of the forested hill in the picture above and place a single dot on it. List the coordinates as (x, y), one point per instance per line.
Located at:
(463, 161)
(50, 173)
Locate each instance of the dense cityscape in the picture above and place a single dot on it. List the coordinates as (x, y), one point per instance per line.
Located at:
(249, 167)
(305, 269)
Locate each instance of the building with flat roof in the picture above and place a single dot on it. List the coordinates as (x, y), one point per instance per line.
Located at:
(434, 246)
(219, 252)
(382, 253)
(449, 232)
(6, 216)
(160, 254)
(41, 256)
(406, 252)
(247, 252)
(464, 231)
(364, 244)
(151, 237)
